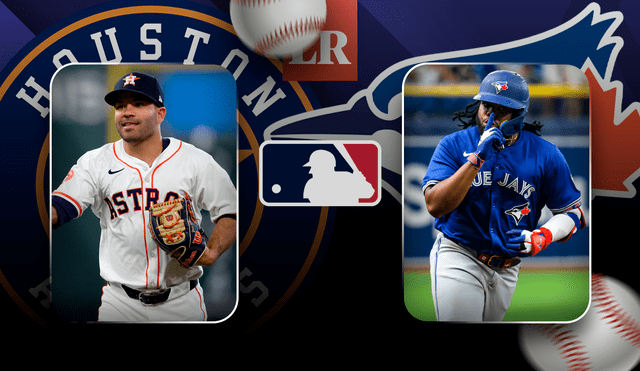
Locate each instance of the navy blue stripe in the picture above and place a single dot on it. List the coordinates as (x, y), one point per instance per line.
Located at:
(65, 209)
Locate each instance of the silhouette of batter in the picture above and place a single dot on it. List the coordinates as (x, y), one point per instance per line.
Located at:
(328, 187)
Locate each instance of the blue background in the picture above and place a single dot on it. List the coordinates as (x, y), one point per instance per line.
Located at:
(357, 291)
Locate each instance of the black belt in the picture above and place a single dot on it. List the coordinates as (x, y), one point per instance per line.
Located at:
(153, 297)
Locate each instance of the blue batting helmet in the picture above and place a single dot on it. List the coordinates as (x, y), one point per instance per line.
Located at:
(508, 89)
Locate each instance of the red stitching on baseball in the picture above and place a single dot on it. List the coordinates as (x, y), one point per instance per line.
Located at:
(620, 320)
(247, 3)
(294, 29)
(569, 347)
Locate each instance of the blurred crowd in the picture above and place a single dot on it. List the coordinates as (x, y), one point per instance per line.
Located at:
(534, 74)
(427, 75)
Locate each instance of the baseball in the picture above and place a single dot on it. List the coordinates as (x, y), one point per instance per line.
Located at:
(278, 28)
(607, 337)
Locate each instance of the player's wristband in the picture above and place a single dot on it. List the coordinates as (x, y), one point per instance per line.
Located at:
(475, 161)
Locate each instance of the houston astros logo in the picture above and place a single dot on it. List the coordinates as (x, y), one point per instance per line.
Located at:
(263, 101)
(69, 175)
(131, 79)
(500, 86)
(262, 98)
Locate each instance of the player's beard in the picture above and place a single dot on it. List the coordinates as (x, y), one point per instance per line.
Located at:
(482, 125)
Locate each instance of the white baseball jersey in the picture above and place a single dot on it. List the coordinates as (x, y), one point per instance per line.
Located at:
(120, 189)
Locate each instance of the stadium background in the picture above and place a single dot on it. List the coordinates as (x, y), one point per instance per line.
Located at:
(201, 110)
(553, 285)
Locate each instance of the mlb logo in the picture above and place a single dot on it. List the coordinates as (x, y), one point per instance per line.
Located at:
(334, 57)
(320, 173)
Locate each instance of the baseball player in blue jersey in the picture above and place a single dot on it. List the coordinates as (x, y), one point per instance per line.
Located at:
(486, 185)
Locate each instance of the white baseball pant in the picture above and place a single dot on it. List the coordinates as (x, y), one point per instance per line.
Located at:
(466, 290)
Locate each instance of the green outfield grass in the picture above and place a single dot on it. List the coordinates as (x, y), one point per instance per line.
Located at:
(541, 295)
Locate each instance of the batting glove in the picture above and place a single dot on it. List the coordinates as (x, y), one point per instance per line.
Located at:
(524, 243)
(490, 141)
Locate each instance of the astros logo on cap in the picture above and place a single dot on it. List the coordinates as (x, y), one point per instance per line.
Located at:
(130, 79)
(500, 86)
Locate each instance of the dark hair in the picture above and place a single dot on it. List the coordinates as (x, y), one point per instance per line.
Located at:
(468, 115)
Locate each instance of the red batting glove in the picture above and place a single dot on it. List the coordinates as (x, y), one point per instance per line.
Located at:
(539, 240)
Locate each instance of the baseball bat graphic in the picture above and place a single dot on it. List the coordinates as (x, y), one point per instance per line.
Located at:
(345, 154)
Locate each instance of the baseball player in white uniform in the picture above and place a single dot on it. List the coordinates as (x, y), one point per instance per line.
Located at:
(120, 181)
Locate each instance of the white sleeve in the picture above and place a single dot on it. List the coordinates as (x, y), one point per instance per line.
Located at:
(563, 225)
(215, 190)
(79, 187)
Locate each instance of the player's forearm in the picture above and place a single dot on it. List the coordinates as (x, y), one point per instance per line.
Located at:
(222, 237)
(54, 216)
(445, 196)
(561, 226)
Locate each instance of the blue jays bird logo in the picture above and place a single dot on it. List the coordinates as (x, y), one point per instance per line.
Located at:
(519, 212)
(500, 86)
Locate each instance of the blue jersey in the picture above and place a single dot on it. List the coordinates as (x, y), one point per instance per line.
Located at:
(509, 192)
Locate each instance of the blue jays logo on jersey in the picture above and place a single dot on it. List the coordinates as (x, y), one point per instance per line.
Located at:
(320, 173)
(500, 86)
(519, 212)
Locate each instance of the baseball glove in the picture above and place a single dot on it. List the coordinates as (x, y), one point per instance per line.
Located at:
(175, 229)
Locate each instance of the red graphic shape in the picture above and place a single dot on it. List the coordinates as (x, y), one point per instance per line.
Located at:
(337, 59)
(365, 156)
(614, 147)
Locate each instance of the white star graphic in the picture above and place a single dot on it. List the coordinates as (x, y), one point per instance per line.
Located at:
(130, 80)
